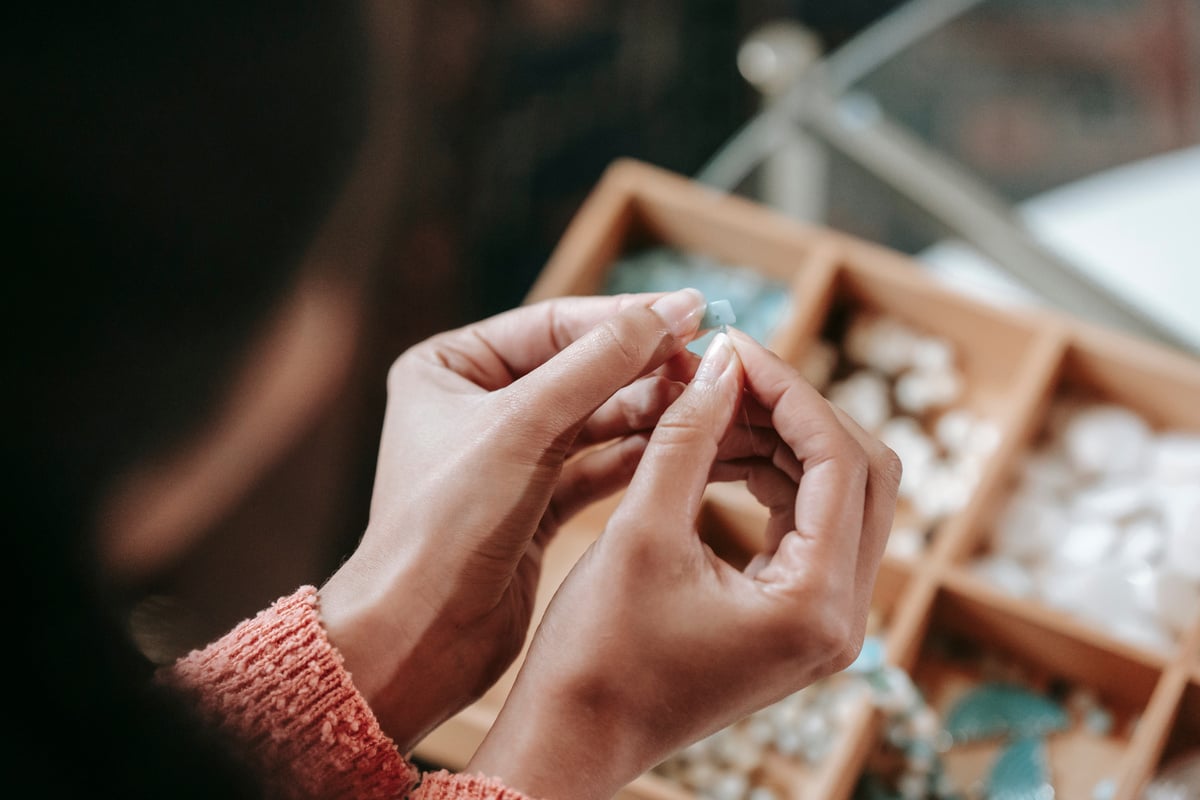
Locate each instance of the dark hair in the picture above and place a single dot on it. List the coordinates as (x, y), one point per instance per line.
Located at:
(166, 166)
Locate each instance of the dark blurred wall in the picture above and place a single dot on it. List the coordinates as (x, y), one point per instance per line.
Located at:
(523, 105)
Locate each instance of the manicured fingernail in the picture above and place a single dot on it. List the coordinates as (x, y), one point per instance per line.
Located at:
(716, 359)
(681, 311)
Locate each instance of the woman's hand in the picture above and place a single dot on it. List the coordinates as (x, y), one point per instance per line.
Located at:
(473, 479)
(652, 642)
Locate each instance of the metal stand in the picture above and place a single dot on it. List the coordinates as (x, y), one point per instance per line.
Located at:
(809, 104)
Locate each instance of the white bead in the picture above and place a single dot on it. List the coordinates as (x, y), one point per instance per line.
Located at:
(919, 391)
(969, 468)
(1181, 512)
(1087, 543)
(1114, 499)
(1175, 457)
(864, 396)
(1082, 699)
(953, 429)
(1107, 439)
(899, 695)
(1169, 597)
(1106, 789)
(789, 742)
(1065, 588)
(944, 491)
(933, 354)
(728, 786)
(915, 450)
(913, 786)
(1027, 527)
(984, 438)
(926, 724)
(1141, 542)
(762, 793)
(819, 364)
(1101, 594)
(813, 725)
(783, 716)
(1142, 632)
(881, 343)
(847, 703)
(759, 729)
(700, 774)
(900, 429)
(739, 753)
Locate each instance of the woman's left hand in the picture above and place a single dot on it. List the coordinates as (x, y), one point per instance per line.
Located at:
(494, 435)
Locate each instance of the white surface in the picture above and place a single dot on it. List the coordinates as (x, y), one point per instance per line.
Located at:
(1134, 229)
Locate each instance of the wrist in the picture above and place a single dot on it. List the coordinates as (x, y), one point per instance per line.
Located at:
(378, 639)
(561, 743)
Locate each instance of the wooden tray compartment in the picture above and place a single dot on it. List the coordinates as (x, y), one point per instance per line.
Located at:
(637, 207)
(1161, 386)
(991, 347)
(995, 353)
(965, 630)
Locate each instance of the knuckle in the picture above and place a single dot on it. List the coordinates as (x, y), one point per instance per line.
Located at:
(854, 457)
(637, 545)
(847, 655)
(832, 635)
(888, 467)
(396, 374)
(619, 335)
(646, 404)
(826, 636)
(527, 422)
(836, 446)
(663, 390)
(678, 431)
(638, 336)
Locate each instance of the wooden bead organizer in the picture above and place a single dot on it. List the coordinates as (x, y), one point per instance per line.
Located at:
(1015, 363)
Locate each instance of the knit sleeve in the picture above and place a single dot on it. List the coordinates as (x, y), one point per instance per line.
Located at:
(278, 687)
(449, 786)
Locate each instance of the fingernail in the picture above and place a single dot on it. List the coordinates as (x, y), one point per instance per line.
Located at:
(716, 359)
(681, 311)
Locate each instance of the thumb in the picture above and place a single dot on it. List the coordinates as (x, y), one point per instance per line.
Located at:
(669, 483)
(562, 393)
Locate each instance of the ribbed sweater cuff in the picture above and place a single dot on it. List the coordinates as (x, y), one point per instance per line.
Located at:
(449, 786)
(277, 686)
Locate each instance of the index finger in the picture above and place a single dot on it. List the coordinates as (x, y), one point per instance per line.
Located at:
(505, 347)
(832, 487)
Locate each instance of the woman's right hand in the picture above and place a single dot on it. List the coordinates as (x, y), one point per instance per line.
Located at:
(652, 642)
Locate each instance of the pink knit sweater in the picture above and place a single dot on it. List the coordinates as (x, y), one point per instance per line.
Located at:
(277, 685)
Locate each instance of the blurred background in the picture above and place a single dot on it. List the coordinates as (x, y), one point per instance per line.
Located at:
(513, 110)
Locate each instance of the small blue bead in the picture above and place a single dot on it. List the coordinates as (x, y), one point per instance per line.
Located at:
(718, 313)
(870, 658)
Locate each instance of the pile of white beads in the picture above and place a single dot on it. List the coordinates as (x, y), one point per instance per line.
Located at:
(1104, 523)
(729, 765)
(902, 385)
(733, 764)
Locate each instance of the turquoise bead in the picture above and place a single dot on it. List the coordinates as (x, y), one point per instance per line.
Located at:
(1004, 710)
(1022, 772)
